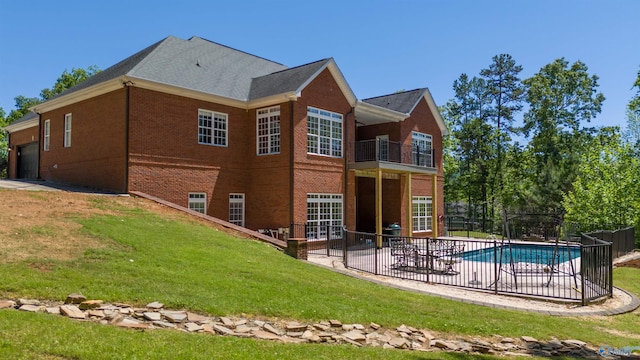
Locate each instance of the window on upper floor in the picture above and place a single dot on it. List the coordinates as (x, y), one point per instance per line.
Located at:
(324, 132)
(46, 135)
(268, 127)
(422, 213)
(198, 202)
(212, 128)
(421, 149)
(67, 130)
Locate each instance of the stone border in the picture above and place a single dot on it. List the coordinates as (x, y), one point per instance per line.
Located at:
(634, 304)
(155, 316)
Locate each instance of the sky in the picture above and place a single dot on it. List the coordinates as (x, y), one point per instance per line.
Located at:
(380, 46)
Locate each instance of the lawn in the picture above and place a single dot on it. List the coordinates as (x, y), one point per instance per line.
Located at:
(138, 256)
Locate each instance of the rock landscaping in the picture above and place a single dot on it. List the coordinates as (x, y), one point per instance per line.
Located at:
(155, 316)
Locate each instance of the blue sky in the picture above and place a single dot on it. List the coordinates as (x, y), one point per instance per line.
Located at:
(380, 46)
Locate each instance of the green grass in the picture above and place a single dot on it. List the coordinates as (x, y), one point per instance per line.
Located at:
(186, 265)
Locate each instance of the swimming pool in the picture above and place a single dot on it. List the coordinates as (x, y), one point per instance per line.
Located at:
(538, 254)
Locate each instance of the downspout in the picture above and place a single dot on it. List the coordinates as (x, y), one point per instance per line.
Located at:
(127, 86)
(9, 151)
(40, 130)
(291, 157)
(345, 211)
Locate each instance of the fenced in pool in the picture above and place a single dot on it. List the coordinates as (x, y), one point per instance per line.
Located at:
(525, 252)
(579, 271)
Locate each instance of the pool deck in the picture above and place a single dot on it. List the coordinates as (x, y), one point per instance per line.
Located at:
(622, 301)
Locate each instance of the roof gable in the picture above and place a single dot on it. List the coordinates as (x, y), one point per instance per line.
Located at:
(404, 102)
(294, 80)
(289, 80)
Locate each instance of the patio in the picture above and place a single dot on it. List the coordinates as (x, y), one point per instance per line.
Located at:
(522, 268)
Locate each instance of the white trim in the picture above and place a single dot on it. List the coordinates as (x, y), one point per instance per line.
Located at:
(125, 80)
(188, 93)
(46, 135)
(370, 114)
(337, 76)
(434, 111)
(11, 128)
(200, 199)
(80, 95)
(214, 116)
(332, 218)
(119, 82)
(332, 118)
(234, 199)
(271, 100)
(427, 202)
(420, 137)
(268, 115)
(68, 126)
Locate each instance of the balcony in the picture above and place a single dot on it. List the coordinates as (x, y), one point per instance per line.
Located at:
(385, 152)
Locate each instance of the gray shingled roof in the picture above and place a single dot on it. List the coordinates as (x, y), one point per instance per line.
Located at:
(26, 117)
(205, 66)
(195, 64)
(119, 69)
(402, 102)
(285, 80)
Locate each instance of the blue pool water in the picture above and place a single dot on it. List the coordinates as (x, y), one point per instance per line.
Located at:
(538, 254)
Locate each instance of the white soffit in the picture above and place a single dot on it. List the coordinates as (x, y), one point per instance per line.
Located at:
(369, 114)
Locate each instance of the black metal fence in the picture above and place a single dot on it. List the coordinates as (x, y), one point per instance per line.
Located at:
(393, 151)
(321, 239)
(541, 227)
(560, 270)
(596, 268)
(457, 225)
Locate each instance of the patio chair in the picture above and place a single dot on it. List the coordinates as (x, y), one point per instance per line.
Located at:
(403, 254)
(445, 264)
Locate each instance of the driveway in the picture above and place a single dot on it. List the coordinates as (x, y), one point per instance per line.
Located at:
(40, 185)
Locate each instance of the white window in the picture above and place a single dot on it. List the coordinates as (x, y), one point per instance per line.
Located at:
(324, 215)
(67, 130)
(422, 213)
(47, 135)
(236, 209)
(324, 132)
(268, 125)
(212, 128)
(198, 202)
(421, 149)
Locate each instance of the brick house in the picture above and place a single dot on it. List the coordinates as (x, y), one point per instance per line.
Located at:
(243, 139)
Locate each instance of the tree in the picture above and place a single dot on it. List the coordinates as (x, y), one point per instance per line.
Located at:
(633, 118)
(68, 80)
(506, 93)
(451, 162)
(605, 192)
(468, 114)
(22, 107)
(4, 155)
(561, 98)
(23, 103)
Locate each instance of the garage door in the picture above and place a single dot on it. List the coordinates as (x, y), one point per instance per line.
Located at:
(28, 161)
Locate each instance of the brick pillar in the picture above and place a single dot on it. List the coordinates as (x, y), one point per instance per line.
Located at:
(297, 248)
